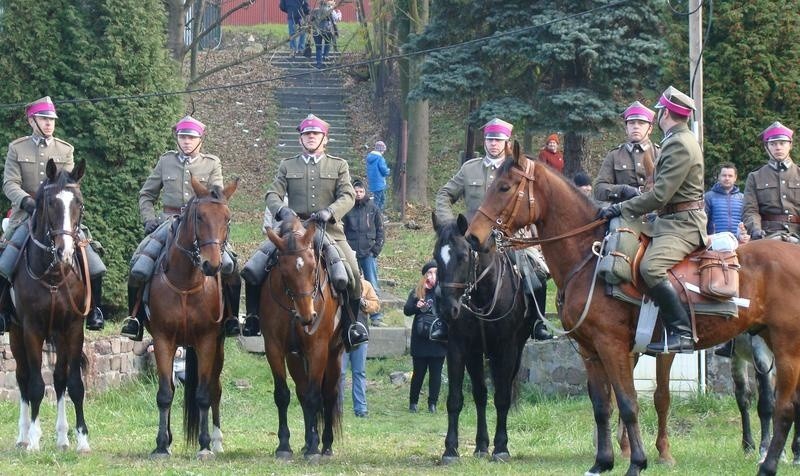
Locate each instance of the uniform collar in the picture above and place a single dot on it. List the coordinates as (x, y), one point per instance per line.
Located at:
(316, 158)
(637, 146)
(780, 165)
(186, 159)
(490, 162)
(41, 141)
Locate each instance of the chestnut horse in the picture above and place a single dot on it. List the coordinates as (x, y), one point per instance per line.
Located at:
(526, 192)
(52, 298)
(299, 321)
(186, 308)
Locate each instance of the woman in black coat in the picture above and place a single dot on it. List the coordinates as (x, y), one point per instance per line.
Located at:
(426, 355)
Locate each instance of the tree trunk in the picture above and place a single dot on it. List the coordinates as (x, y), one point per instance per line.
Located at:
(418, 117)
(469, 148)
(574, 151)
(176, 24)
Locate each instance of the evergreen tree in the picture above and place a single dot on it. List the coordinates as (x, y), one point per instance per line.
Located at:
(95, 49)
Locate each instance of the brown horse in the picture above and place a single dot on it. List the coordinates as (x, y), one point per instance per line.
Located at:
(299, 322)
(52, 299)
(526, 192)
(186, 308)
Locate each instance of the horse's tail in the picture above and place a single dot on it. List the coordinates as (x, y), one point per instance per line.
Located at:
(191, 412)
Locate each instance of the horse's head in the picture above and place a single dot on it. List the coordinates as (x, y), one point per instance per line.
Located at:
(454, 261)
(298, 264)
(59, 209)
(207, 220)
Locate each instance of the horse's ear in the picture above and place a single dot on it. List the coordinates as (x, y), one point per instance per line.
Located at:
(230, 188)
(51, 170)
(199, 189)
(276, 240)
(311, 229)
(78, 170)
(462, 224)
(517, 153)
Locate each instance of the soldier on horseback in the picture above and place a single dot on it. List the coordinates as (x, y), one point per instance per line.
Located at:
(312, 185)
(771, 196)
(24, 171)
(171, 179)
(471, 182)
(680, 227)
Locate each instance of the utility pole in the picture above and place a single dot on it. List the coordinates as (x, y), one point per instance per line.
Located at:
(696, 65)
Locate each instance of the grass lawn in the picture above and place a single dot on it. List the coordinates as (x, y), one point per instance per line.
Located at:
(547, 436)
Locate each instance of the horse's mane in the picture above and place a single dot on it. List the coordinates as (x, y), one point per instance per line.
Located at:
(553, 174)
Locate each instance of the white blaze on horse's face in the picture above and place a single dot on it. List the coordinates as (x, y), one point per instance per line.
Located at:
(66, 198)
(299, 263)
(444, 254)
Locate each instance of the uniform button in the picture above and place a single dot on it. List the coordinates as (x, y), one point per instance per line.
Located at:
(491, 177)
(312, 179)
(624, 166)
(313, 205)
(41, 173)
(637, 163)
(313, 186)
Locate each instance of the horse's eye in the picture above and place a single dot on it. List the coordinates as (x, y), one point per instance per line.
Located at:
(503, 187)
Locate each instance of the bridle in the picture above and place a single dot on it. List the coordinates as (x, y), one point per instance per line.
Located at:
(49, 233)
(194, 253)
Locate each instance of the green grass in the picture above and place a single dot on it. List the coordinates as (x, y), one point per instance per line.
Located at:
(548, 435)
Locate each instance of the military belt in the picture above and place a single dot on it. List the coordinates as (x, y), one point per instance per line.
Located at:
(682, 207)
(172, 210)
(781, 218)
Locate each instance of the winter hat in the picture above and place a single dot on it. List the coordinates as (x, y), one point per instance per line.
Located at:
(582, 179)
(380, 146)
(430, 264)
(552, 137)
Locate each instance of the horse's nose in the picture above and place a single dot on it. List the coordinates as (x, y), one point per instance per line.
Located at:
(209, 269)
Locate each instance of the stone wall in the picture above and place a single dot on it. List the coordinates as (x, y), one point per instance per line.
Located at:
(109, 362)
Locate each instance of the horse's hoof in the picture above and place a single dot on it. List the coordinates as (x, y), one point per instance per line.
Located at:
(159, 454)
(327, 454)
(313, 458)
(205, 455)
(63, 447)
(448, 460)
(84, 451)
(481, 454)
(501, 457)
(22, 445)
(283, 455)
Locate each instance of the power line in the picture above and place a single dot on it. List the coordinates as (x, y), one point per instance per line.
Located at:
(332, 68)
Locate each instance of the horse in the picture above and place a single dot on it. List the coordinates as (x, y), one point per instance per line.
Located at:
(482, 298)
(52, 296)
(186, 308)
(300, 326)
(526, 192)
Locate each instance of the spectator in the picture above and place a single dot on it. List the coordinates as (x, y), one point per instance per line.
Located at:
(370, 305)
(584, 183)
(323, 28)
(295, 11)
(377, 171)
(363, 226)
(427, 355)
(550, 154)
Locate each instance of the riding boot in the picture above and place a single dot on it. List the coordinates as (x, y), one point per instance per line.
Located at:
(676, 320)
(725, 350)
(133, 325)
(356, 333)
(95, 321)
(6, 307)
(539, 331)
(232, 292)
(252, 299)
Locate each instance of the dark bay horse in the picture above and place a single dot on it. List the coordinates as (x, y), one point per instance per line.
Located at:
(482, 298)
(299, 321)
(526, 192)
(52, 295)
(186, 308)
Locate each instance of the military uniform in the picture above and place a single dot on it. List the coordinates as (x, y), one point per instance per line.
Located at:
(25, 170)
(627, 164)
(171, 179)
(677, 194)
(772, 199)
(470, 182)
(313, 186)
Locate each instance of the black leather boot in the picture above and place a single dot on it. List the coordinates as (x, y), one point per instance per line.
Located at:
(725, 350)
(95, 320)
(133, 326)
(676, 320)
(356, 333)
(539, 331)
(6, 307)
(252, 299)
(232, 292)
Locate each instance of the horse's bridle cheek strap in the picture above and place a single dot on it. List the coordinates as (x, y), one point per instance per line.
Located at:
(510, 210)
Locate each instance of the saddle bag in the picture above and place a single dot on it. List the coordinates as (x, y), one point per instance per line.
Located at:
(143, 261)
(719, 274)
(620, 248)
(10, 255)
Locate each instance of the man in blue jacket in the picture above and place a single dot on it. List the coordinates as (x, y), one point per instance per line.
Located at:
(295, 11)
(377, 171)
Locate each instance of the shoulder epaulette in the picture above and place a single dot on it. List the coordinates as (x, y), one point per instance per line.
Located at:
(334, 157)
(63, 142)
(17, 141)
(211, 156)
(476, 159)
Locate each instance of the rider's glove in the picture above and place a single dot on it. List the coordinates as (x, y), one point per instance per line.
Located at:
(609, 212)
(150, 226)
(28, 204)
(323, 216)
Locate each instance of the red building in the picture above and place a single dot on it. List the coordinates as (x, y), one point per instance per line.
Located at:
(267, 11)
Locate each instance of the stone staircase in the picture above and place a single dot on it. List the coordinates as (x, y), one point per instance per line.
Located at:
(310, 91)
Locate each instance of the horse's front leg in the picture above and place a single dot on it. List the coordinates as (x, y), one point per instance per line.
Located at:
(165, 353)
(35, 388)
(282, 396)
(455, 397)
(330, 397)
(206, 354)
(600, 396)
(60, 387)
(619, 371)
(766, 394)
(503, 372)
(661, 399)
(216, 397)
(23, 375)
(309, 390)
(76, 391)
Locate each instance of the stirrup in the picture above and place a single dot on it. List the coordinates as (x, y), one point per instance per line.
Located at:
(137, 336)
(357, 334)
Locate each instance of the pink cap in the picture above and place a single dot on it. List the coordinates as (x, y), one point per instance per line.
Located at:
(189, 126)
(43, 107)
(676, 102)
(497, 129)
(777, 131)
(638, 112)
(313, 124)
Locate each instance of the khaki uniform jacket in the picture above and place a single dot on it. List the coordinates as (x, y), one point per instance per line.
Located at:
(25, 170)
(312, 187)
(470, 182)
(770, 192)
(624, 166)
(172, 180)
(678, 178)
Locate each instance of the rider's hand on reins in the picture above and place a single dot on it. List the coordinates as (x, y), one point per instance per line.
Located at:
(609, 212)
(323, 216)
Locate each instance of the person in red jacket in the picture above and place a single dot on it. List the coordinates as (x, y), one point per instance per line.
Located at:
(550, 154)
